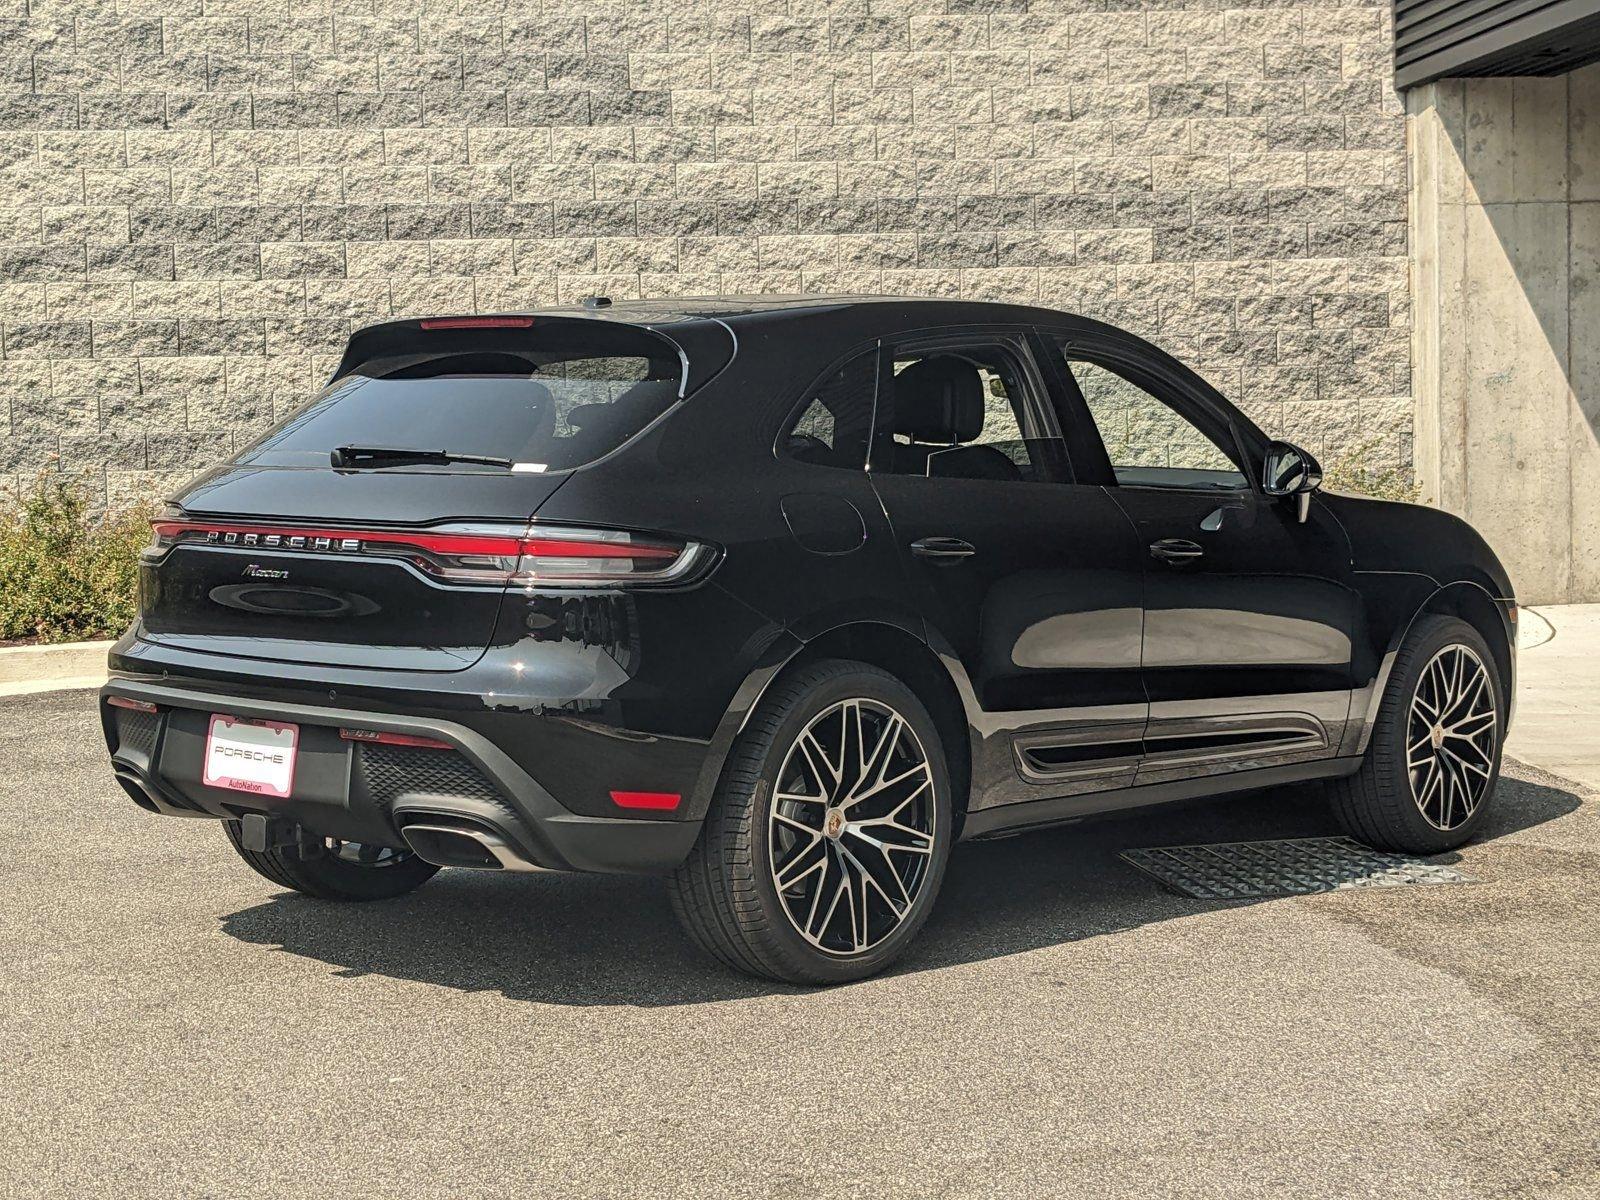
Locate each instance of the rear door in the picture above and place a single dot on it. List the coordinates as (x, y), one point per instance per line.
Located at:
(1026, 577)
(1248, 612)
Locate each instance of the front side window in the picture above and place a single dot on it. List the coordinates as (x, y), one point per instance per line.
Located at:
(834, 422)
(1150, 443)
(966, 411)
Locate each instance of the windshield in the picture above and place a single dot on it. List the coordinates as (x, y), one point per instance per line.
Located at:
(545, 407)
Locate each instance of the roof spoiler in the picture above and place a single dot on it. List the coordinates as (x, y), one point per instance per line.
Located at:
(703, 346)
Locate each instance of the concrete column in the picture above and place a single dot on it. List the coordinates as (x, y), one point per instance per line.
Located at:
(1505, 231)
(1584, 280)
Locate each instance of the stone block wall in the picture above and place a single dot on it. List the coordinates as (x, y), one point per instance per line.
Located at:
(200, 198)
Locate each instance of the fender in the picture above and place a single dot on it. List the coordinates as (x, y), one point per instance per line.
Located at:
(1451, 598)
(782, 653)
(1409, 560)
(745, 698)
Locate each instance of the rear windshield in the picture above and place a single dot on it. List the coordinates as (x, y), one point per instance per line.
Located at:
(546, 400)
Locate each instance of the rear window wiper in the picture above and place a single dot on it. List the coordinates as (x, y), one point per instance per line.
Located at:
(358, 456)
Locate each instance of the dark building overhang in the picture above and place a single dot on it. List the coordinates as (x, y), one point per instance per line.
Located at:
(1436, 38)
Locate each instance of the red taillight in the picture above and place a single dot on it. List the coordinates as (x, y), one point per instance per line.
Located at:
(477, 322)
(164, 530)
(143, 706)
(393, 739)
(659, 801)
(560, 548)
(557, 558)
(592, 558)
(570, 558)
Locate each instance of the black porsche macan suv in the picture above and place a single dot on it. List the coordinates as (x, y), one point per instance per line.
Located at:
(781, 599)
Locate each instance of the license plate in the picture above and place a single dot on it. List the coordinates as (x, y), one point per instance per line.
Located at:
(251, 756)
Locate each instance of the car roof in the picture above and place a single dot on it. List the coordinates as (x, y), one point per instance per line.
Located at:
(707, 329)
(705, 320)
(669, 310)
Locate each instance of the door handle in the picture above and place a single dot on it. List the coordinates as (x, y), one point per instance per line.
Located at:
(1176, 550)
(943, 549)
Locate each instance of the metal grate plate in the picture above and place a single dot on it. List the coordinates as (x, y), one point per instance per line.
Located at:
(1296, 867)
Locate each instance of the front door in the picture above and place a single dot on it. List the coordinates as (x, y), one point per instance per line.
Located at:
(1248, 611)
(1027, 579)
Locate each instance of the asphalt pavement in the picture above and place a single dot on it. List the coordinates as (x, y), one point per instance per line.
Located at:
(173, 1025)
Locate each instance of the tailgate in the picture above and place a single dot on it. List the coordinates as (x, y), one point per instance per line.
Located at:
(360, 591)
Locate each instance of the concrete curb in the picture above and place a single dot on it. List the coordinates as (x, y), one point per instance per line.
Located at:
(28, 669)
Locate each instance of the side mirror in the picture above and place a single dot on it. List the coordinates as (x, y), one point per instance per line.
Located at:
(1291, 471)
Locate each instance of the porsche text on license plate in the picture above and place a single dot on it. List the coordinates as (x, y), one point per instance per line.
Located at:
(251, 756)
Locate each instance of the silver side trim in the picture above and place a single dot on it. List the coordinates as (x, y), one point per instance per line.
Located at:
(1103, 733)
(1256, 735)
(1268, 734)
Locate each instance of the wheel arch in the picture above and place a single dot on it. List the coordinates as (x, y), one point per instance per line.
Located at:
(1471, 602)
(888, 646)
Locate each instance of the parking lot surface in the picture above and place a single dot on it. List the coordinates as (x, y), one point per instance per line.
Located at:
(173, 1025)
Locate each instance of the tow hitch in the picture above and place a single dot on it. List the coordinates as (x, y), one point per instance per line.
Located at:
(262, 833)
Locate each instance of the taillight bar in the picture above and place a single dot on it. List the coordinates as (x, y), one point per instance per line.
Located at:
(356, 540)
(552, 557)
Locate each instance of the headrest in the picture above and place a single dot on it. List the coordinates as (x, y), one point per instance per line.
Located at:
(939, 400)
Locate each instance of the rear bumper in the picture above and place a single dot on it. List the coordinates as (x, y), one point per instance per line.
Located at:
(369, 792)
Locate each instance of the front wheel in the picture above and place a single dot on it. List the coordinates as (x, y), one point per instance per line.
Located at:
(827, 839)
(1434, 758)
(344, 871)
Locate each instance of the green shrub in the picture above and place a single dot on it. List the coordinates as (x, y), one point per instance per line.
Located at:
(66, 572)
(1355, 471)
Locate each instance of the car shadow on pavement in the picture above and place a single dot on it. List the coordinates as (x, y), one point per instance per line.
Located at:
(612, 940)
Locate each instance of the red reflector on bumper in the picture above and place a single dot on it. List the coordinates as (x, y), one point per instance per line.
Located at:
(661, 801)
(393, 739)
(136, 705)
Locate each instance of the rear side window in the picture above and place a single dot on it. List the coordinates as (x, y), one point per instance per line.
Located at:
(545, 399)
(967, 409)
(834, 423)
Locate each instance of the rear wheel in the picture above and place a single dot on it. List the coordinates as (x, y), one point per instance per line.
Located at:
(827, 840)
(1434, 758)
(343, 871)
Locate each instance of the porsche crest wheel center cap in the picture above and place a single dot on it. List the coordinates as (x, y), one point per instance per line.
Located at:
(834, 825)
(1436, 736)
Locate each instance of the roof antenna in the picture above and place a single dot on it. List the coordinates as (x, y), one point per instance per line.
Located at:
(596, 301)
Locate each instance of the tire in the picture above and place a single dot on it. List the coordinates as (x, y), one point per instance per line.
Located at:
(331, 876)
(1391, 805)
(727, 894)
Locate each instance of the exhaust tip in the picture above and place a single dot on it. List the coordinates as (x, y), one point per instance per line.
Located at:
(135, 789)
(451, 843)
